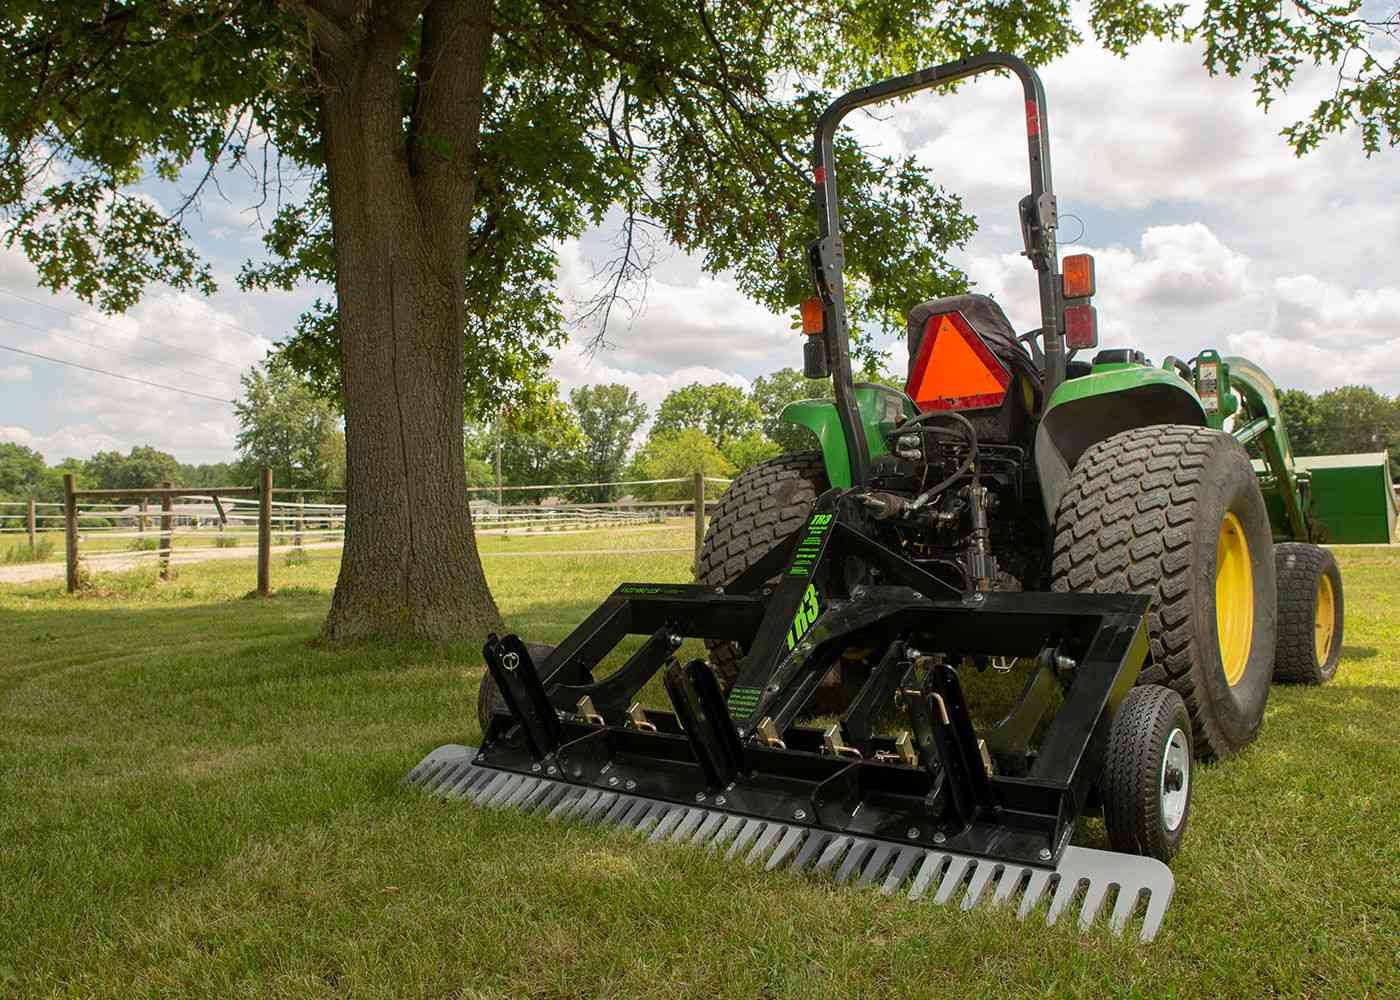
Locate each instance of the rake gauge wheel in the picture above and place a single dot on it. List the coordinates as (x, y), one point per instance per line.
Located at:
(1176, 512)
(1309, 614)
(1146, 786)
(764, 505)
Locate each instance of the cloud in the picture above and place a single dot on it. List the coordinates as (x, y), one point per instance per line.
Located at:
(16, 373)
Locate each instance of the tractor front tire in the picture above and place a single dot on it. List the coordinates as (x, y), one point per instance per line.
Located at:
(1175, 512)
(1309, 614)
(764, 505)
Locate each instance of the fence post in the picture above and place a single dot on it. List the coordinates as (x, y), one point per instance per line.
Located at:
(167, 528)
(141, 517)
(70, 532)
(33, 539)
(264, 531)
(699, 518)
(301, 520)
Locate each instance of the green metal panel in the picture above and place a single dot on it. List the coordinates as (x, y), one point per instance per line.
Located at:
(880, 407)
(1352, 496)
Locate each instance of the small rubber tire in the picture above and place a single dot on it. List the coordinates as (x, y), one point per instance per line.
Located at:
(1138, 814)
(488, 695)
(764, 505)
(1301, 570)
(1143, 513)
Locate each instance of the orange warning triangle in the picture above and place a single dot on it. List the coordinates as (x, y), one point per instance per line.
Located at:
(954, 369)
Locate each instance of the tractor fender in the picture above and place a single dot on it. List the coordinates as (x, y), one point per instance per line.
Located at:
(880, 408)
(1090, 408)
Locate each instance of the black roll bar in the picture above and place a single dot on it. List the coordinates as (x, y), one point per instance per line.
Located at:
(1038, 223)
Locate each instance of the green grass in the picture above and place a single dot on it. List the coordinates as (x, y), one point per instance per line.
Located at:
(197, 800)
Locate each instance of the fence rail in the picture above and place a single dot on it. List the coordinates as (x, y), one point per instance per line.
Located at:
(222, 517)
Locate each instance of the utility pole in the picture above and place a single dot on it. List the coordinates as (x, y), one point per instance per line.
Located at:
(500, 417)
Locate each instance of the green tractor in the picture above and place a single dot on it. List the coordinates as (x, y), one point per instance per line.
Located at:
(1027, 588)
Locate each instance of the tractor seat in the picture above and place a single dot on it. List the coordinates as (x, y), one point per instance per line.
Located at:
(991, 324)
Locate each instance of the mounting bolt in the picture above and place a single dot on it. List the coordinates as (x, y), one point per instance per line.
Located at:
(613, 780)
(720, 800)
(800, 814)
(535, 767)
(631, 784)
(578, 772)
(939, 837)
(699, 796)
(773, 688)
(913, 833)
(1045, 854)
(553, 769)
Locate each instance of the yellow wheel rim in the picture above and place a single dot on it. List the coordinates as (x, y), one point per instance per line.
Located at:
(1326, 619)
(1234, 598)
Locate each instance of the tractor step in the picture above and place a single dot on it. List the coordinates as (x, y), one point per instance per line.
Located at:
(1083, 879)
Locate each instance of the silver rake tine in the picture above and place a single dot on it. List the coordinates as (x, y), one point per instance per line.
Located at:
(1128, 899)
(745, 838)
(712, 823)
(786, 846)
(1064, 892)
(667, 824)
(600, 808)
(1156, 910)
(1093, 902)
(815, 844)
(854, 858)
(953, 880)
(933, 865)
(482, 791)
(687, 827)
(981, 878)
(879, 858)
(1040, 878)
(765, 843)
(901, 868)
(728, 829)
(1011, 879)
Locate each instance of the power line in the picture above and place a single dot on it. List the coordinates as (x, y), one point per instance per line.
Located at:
(154, 340)
(125, 378)
(103, 347)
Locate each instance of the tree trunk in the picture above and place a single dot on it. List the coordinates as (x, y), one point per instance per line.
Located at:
(401, 218)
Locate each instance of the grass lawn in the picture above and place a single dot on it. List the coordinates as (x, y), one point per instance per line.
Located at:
(195, 800)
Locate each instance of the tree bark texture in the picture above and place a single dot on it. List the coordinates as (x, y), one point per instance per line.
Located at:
(400, 205)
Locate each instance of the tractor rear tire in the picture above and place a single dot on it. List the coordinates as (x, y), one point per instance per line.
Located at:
(488, 695)
(1309, 614)
(1176, 512)
(764, 505)
(1146, 786)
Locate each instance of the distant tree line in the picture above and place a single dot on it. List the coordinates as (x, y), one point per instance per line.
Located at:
(1350, 419)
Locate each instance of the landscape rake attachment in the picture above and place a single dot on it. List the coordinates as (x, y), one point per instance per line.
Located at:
(925, 806)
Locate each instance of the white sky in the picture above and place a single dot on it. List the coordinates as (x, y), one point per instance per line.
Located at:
(1207, 232)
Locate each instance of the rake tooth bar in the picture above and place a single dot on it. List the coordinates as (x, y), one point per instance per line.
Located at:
(948, 877)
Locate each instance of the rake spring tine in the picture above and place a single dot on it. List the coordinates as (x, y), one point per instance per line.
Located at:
(1156, 910)
(533, 797)
(745, 838)
(521, 792)
(1128, 898)
(1040, 878)
(980, 879)
(442, 775)
(832, 854)
(933, 864)
(957, 871)
(712, 823)
(1093, 902)
(765, 843)
(468, 777)
(786, 846)
(666, 824)
(878, 859)
(688, 826)
(899, 871)
(854, 857)
(731, 826)
(582, 804)
(632, 818)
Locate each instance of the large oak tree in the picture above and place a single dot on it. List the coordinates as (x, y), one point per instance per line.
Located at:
(445, 147)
